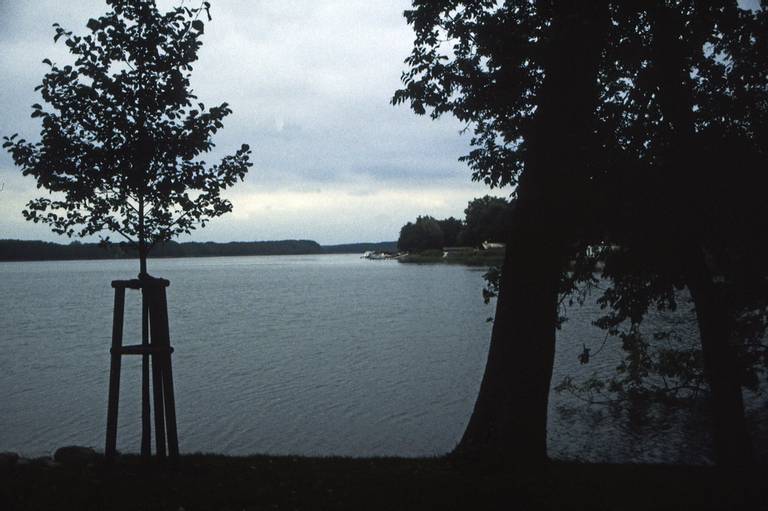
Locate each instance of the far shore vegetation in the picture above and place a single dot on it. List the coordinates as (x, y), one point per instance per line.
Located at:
(476, 240)
(26, 250)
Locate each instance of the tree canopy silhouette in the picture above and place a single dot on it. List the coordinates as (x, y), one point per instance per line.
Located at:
(424, 234)
(634, 134)
(123, 132)
(523, 75)
(486, 219)
(680, 201)
(451, 228)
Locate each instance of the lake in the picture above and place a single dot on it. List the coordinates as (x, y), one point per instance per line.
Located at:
(312, 355)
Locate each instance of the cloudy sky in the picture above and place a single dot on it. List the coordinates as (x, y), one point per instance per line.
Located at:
(310, 83)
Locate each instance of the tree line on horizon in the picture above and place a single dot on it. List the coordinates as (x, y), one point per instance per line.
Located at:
(22, 250)
(26, 250)
(485, 220)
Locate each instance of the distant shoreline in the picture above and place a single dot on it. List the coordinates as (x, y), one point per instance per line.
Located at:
(33, 250)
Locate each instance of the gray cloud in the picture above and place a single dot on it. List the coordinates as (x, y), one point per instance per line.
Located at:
(310, 84)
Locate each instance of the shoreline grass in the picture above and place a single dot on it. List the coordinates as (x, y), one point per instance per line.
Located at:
(290, 482)
(469, 257)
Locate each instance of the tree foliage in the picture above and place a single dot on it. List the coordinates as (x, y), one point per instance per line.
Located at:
(484, 62)
(424, 234)
(486, 219)
(123, 134)
(687, 107)
(474, 59)
(656, 174)
(451, 228)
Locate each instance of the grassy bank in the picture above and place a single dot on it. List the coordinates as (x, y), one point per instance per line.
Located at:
(469, 257)
(262, 482)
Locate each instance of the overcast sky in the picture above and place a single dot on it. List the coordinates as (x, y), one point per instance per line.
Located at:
(309, 82)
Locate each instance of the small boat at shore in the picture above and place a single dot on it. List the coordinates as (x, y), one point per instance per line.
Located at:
(380, 256)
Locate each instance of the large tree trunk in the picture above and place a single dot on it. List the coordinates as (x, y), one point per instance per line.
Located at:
(733, 446)
(685, 168)
(509, 421)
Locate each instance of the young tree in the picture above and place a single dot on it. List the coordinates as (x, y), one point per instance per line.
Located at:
(123, 135)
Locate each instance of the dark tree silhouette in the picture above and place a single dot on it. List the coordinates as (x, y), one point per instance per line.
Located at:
(424, 234)
(486, 219)
(681, 205)
(451, 228)
(523, 74)
(121, 137)
(618, 136)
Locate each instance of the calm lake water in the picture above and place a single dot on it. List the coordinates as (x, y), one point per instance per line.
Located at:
(314, 355)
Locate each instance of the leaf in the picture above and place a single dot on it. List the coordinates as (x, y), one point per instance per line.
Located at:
(93, 25)
(199, 26)
(47, 61)
(37, 106)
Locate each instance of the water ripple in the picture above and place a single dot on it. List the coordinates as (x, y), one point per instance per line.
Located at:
(315, 355)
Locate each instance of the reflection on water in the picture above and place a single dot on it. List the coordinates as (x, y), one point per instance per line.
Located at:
(310, 355)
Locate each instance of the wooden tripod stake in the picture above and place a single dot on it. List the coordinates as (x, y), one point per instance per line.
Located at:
(155, 344)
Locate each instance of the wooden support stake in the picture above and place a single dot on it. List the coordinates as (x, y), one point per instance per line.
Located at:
(161, 336)
(157, 372)
(146, 428)
(110, 449)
